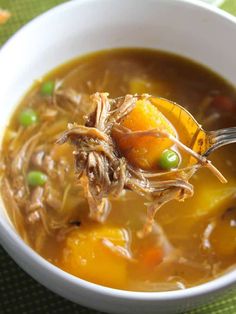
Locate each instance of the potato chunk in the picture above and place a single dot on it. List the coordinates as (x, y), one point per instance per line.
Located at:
(85, 255)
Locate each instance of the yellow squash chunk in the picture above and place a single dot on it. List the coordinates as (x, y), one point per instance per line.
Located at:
(85, 255)
(207, 202)
(213, 198)
(144, 152)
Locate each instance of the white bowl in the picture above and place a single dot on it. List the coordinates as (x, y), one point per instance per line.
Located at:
(189, 28)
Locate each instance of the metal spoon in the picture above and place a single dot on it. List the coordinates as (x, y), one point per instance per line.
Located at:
(192, 134)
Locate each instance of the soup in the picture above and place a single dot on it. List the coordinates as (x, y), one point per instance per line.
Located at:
(190, 242)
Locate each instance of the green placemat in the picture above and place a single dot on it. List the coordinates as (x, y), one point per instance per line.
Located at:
(19, 293)
(230, 6)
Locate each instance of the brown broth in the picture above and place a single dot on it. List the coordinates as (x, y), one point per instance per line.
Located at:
(120, 72)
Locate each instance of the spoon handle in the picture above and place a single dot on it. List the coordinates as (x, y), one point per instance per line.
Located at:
(220, 138)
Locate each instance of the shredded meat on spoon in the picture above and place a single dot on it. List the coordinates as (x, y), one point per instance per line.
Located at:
(104, 172)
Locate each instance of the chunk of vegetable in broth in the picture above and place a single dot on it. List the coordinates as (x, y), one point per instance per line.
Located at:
(145, 151)
(211, 200)
(151, 257)
(205, 203)
(87, 257)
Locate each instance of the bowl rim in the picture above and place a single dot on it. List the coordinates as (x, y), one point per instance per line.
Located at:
(9, 235)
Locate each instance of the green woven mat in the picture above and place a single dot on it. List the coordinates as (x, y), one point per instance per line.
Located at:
(19, 293)
(230, 6)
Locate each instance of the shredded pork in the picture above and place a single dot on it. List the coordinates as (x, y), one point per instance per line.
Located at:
(104, 172)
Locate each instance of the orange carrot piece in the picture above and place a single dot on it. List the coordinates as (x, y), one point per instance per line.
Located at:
(152, 257)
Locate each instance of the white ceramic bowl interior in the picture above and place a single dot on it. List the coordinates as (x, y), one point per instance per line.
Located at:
(188, 28)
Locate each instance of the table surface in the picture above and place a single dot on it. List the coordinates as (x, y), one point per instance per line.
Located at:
(19, 293)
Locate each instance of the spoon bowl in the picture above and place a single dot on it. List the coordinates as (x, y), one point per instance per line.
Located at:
(195, 137)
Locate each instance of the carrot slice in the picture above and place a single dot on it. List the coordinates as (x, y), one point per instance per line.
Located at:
(152, 257)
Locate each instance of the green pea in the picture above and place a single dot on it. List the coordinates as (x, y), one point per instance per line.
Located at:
(47, 88)
(169, 159)
(28, 117)
(35, 178)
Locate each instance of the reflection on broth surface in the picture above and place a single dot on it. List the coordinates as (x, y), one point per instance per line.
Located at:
(47, 205)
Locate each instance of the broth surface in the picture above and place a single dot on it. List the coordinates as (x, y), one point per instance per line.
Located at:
(201, 231)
